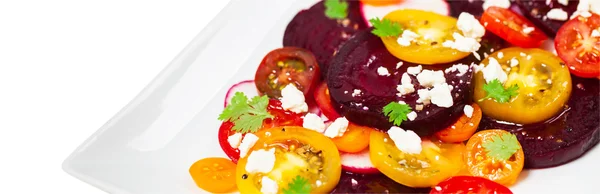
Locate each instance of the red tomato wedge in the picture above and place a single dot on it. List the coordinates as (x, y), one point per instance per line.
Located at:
(512, 27)
(324, 102)
(469, 184)
(579, 47)
(281, 118)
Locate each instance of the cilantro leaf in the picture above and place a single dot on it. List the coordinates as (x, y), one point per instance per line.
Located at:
(247, 116)
(496, 90)
(385, 27)
(336, 9)
(396, 112)
(502, 147)
(298, 185)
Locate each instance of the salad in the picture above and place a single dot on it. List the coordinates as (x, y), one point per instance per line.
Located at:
(410, 96)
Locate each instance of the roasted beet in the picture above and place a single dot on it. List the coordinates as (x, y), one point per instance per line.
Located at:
(474, 7)
(536, 12)
(565, 137)
(372, 183)
(312, 30)
(355, 68)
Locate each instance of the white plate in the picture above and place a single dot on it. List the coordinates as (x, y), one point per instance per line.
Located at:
(149, 145)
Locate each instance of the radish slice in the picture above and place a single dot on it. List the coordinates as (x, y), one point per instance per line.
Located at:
(358, 162)
(247, 87)
(437, 6)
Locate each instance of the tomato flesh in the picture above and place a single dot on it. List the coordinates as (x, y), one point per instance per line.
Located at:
(575, 45)
(479, 164)
(287, 65)
(323, 101)
(512, 27)
(281, 118)
(469, 184)
(355, 139)
(216, 175)
(463, 129)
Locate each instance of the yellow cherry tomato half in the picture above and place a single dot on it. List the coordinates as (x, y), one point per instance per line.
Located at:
(298, 152)
(433, 29)
(436, 162)
(479, 164)
(216, 175)
(544, 85)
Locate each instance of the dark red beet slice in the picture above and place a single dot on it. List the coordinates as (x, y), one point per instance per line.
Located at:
(474, 7)
(536, 12)
(565, 137)
(372, 183)
(312, 30)
(355, 67)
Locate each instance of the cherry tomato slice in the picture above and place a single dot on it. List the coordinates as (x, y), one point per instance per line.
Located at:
(575, 45)
(281, 118)
(479, 164)
(469, 184)
(216, 175)
(512, 27)
(323, 101)
(381, 2)
(355, 139)
(287, 65)
(298, 152)
(463, 129)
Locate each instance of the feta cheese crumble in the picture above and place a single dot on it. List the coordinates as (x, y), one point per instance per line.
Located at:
(235, 140)
(514, 62)
(428, 78)
(468, 110)
(407, 37)
(585, 7)
(527, 29)
(564, 2)
(261, 161)
(269, 186)
(470, 26)
(441, 96)
(247, 144)
(463, 44)
(383, 71)
(314, 122)
(356, 93)
(337, 128)
(424, 96)
(292, 99)
(498, 3)
(558, 14)
(500, 55)
(494, 71)
(405, 140)
(414, 70)
(462, 69)
(411, 115)
(406, 86)
(399, 64)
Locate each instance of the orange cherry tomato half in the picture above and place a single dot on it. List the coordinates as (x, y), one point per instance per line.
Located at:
(355, 139)
(512, 27)
(323, 101)
(576, 46)
(216, 175)
(380, 2)
(463, 129)
(479, 164)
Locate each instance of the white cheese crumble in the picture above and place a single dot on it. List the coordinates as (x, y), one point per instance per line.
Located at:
(428, 78)
(406, 86)
(498, 3)
(494, 71)
(382, 71)
(407, 37)
(337, 128)
(470, 26)
(585, 7)
(261, 161)
(463, 44)
(527, 29)
(424, 96)
(356, 93)
(558, 14)
(314, 122)
(596, 33)
(462, 69)
(500, 55)
(269, 186)
(441, 96)
(419, 107)
(468, 110)
(411, 115)
(514, 62)
(235, 140)
(564, 2)
(247, 144)
(414, 70)
(293, 99)
(405, 140)
(399, 64)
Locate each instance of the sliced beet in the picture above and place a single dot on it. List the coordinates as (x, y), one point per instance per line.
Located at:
(312, 30)
(536, 12)
(565, 137)
(372, 183)
(474, 7)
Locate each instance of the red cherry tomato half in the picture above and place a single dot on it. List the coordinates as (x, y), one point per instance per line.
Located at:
(576, 46)
(281, 118)
(469, 184)
(287, 65)
(512, 27)
(324, 101)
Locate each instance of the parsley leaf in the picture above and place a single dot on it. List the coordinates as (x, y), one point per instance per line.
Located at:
(298, 185)
(336, 9)
(496, 91)
(247, 116)
(502, 147)
(396, 112)
(385, 27)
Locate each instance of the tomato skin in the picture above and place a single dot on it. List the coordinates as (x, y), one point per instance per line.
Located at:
(323, 101)
(577, 48)
(216, 175)
(480, 165)
(463, 129)
(286, 65)
(355, 139)
(469, 184)
(281, 118)
(270, 138)
(509, 25)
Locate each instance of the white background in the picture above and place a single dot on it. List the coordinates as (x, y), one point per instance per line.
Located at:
(66, 67)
